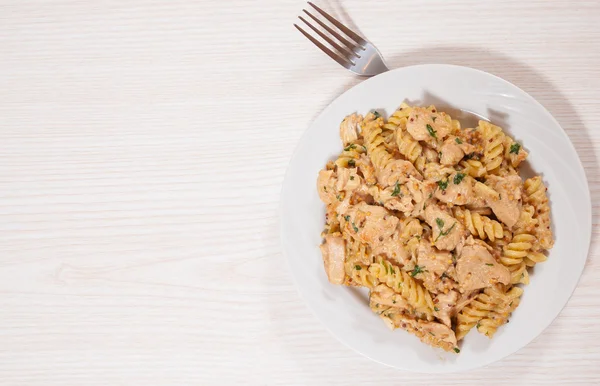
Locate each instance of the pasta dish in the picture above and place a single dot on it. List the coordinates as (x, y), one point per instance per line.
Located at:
(435, 220)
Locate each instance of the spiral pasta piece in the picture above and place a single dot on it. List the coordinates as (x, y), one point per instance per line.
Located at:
(401, 282)
(535, 194)
(350, 155)
(375, 143)
(479, 308)
(494, 145)
(473, 167)
(508, 302)
(480, 226)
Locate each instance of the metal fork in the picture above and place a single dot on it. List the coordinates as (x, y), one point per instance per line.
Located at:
(356, 53)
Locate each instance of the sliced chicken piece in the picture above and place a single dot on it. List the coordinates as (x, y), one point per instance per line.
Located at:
(432, 333)
(432, 260)
(430, 266)
(370, 224)
(326, 186)
(334, 256)
(447, 231)
(445, 306)
(451, 151)
(425, 125)
(349, 128)
(366, 168)
(393, 249)
(348, 180)
(383, 296)
(457, 189)
(397, 171)
(476, 268)
(503, 196)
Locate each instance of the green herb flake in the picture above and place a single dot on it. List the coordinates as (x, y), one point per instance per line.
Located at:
(440, 223)
(478, 325)
(396, 190)
(338, 197)
(431, 132)
(436, 309)
(440, 155)
(431, 333)
(456, 350)
(514, 148)
(393, 301)
(443, 276)
(355, 228)
(430, 195)
(489, 264)
(377, 115)
(458, 178)
(458, 140)
(417, 270)
(444, 233)
(349, 147)
(443, 184)
(351, 178)
(352, 163)
(433, 118)
(347, 218)
(357, 267)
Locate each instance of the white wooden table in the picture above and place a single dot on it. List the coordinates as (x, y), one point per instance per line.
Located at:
(142, 148)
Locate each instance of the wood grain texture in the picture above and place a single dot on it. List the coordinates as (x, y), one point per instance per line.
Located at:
(142, 148)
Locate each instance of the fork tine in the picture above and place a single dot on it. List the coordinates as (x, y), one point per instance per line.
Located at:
(352, 35)
(342, 61)
(339, 37)
(341, 50)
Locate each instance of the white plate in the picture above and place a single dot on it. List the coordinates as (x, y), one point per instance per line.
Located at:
(344, 311)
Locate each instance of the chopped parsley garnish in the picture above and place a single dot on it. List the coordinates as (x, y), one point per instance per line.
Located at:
(349, 147)
(430, 195)
(352, 163)
(458, 178)
(444, 233)
(478, 325)
(443, 276)
(377, 115)
(338, 197)
(433, 118)
(347, 218)
(431, 333)
(439, 222)
(351, 177)
(436, 309)
(393, 301)
(514, 148)
(355, 228)
(458, 140)
(431, 132)
(440, 155)
(456, 350)
(357, 267)
(417, 270)
(396, 190)
(490, 264)
(443, 184)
